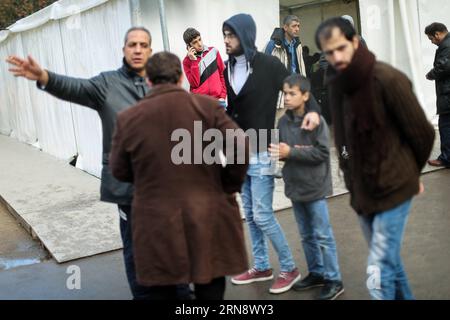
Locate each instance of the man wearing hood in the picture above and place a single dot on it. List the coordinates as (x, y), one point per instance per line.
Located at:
(254, 81)
(383, 139)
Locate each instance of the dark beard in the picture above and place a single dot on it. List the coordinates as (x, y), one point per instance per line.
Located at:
(238, 52)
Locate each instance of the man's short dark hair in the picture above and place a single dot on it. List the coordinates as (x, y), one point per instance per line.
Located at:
(325, 30)
(190, 34)
(435, 27)
(296, 80)
(289, 19)
(164, 67)
(137, 29)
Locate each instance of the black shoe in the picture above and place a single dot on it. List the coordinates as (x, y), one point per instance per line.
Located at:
(331, 290)
(312, 280)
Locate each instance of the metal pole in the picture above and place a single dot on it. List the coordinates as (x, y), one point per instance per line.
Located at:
(135, 10)
(162, 18)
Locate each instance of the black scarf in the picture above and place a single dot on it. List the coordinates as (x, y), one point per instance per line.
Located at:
(356, 83)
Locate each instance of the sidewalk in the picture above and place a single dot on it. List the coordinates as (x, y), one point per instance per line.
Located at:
(426, 255)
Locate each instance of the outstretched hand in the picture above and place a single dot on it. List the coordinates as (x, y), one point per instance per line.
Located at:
(27, 68)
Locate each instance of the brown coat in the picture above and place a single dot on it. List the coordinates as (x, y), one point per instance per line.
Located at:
(186, 223)
(379, 101)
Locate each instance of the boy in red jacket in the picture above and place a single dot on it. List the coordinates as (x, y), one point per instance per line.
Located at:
(204, 67)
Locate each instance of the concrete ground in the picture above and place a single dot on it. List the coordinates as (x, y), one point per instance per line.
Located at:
(17, 248)
(426, 257)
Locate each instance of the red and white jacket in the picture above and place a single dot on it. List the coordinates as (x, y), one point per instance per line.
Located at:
(205, 75)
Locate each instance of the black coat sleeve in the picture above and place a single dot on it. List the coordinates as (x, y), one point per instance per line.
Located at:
(86, 92)
(441, 65)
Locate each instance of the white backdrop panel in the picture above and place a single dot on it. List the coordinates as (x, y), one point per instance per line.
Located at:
(393, 32)
(53, 117)
(20, 111)
(5, 127)
(91, 46)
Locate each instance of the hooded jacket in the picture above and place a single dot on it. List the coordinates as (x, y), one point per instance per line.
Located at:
(277, 47)
(307, 171)
(255, 105)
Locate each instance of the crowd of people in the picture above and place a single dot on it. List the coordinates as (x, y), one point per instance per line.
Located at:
(180, 224)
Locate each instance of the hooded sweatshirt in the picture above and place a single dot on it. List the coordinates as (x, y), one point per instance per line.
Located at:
(254, 106)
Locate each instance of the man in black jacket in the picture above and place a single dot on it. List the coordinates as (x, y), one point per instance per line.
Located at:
(254, 81)
(108, 93)
(438, 35)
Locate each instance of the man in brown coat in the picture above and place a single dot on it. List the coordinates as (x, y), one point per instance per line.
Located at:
(384, 139)
(186, 224)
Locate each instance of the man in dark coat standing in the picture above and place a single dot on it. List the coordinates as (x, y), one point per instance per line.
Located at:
(438, 35)
(107, 93)
(384, 140)
(186, 222)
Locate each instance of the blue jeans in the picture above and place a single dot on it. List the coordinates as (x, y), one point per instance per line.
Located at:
(257, 197)
(444, 132)
(317, 238)
(384, 234)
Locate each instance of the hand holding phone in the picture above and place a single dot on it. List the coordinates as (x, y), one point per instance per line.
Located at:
(192, 53)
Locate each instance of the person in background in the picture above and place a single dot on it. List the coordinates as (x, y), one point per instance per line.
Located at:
(439, 36)
(204, 67)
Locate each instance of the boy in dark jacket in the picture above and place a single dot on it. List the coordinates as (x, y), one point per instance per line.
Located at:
(307, 177)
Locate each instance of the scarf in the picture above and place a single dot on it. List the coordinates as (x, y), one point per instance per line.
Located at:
(356, 83)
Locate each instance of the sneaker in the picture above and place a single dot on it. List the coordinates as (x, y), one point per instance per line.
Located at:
(313, 280)
(331, 290)
(285, 281)
(252, 275)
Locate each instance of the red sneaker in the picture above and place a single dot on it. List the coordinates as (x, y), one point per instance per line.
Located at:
(252, 275)
(285, 281)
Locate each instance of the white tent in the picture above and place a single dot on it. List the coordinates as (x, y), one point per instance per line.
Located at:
(84, 37)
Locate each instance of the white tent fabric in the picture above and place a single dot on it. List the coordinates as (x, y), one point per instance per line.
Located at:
(394, 30)
(58, 10)
(82, 46)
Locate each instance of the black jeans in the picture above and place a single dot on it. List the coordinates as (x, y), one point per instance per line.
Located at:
(214, 290)
(139, 292)
(444, 132)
